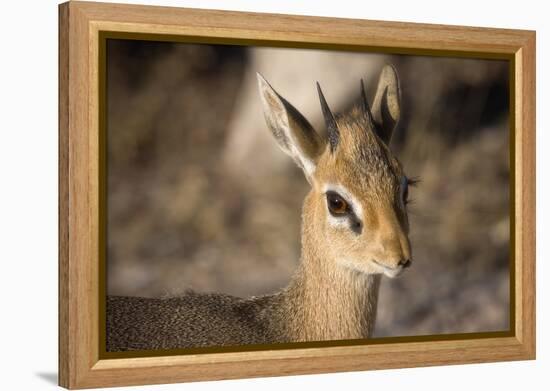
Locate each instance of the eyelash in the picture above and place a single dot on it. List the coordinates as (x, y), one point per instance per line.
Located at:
(409, 182)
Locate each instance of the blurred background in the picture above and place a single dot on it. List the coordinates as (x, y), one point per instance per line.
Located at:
(200, 197)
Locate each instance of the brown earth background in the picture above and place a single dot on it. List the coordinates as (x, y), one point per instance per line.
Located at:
(200, 197)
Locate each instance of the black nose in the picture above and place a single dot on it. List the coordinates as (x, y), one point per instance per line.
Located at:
(405, 263)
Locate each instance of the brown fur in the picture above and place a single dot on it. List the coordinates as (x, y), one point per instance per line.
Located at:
(333, 294)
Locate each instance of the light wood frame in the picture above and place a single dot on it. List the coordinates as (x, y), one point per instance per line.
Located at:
(80, 24)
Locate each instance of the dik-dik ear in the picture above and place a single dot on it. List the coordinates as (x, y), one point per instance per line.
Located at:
(386, 108)
(293, 133)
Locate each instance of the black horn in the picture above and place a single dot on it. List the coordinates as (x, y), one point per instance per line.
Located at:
(330, 122)
(365, 103)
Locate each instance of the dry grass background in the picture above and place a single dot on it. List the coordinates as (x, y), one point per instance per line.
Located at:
(178, 219)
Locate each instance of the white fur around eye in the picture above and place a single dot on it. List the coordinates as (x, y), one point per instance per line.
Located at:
(338, 222)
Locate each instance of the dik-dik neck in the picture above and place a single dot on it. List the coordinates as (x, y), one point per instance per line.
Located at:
(327, 301)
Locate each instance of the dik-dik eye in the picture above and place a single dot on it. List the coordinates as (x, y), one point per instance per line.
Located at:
(405, 183)
(337, 205)
(405, 190)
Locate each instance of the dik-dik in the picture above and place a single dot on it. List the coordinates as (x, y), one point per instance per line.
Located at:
(354, 229)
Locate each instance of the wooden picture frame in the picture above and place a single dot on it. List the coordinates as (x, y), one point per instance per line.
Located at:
(82, 26)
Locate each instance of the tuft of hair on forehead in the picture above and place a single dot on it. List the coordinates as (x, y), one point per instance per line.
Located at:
(364, 153)
(358, 135)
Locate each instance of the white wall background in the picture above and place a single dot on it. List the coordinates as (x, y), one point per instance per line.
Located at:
(28, 195)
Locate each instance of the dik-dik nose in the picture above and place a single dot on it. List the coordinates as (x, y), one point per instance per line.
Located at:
(397, 261)
(405, 263)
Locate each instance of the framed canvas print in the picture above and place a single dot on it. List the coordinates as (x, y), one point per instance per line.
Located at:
(249, 195)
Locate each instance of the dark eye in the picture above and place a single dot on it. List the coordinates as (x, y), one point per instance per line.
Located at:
(336, 204)
(405, 184)
(405, 190)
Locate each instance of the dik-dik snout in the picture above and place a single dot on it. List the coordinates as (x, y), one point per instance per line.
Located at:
(388, 234)
(391, 250)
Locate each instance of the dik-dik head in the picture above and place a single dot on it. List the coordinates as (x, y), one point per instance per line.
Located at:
(357, 207)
